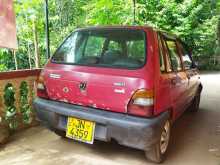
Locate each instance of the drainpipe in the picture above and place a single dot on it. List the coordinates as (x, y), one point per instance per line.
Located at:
(47, 29)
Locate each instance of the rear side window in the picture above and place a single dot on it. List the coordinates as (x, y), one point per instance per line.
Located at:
(118, 48)
(174, 55)
(162, 63)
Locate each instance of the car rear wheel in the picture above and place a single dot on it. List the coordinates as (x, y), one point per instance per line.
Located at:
(158, 152)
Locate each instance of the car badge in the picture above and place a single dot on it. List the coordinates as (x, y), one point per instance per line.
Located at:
(120, 84)
(82, 86)
(55, 76)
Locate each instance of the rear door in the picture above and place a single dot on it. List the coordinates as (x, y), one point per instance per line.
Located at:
(191, 72)
(177, 76)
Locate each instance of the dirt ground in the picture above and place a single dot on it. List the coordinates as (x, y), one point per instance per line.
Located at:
(196, 140)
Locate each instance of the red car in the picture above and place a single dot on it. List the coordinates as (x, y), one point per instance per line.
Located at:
(127, 83)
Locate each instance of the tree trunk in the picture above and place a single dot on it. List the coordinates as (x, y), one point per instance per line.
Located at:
(15, 59)
(29, 56)
(36, 50)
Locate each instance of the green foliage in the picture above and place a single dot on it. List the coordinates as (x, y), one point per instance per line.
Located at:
(109, 12)
(9, 95)
(195, 21)
(11, 116)
(9, 98)
(217, 51)
(25, 108)
(6, 60)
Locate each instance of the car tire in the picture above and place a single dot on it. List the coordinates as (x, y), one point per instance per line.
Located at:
(158, 152)
(195, 103)
(60, 133)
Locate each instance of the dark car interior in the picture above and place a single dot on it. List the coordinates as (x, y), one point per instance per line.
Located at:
(107, 48)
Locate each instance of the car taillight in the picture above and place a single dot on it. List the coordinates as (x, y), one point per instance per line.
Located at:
(41, 88)
(142, 103)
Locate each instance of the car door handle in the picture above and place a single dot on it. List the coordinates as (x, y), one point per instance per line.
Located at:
(173, 81)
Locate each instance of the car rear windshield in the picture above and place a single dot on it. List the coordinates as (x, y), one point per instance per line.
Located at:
(118, 48)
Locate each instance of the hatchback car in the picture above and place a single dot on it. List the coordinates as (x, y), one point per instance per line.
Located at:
(126, 83)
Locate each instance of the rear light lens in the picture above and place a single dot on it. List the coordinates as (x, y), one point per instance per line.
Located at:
(41, 88)
(142, 103)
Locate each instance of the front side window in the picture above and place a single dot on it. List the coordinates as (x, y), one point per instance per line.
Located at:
(174, 55)
(119, 48)
(187, 61)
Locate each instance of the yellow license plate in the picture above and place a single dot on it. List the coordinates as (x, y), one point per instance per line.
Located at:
(81, 130)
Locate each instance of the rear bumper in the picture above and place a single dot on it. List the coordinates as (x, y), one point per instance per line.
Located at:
(135, 132)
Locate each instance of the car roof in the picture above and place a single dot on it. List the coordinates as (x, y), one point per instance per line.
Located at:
(164, 33)
(115, 27)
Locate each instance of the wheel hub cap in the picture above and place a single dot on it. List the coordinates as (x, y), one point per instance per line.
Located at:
(165, 137)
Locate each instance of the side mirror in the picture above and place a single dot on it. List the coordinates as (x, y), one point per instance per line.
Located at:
(194, 64)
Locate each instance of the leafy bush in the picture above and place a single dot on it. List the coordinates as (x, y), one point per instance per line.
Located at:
(9, 98)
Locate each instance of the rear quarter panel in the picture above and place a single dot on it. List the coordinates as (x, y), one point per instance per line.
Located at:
(162, 83)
